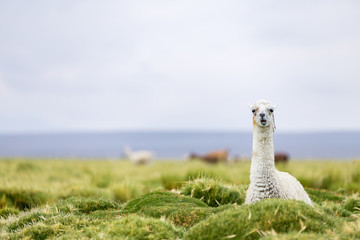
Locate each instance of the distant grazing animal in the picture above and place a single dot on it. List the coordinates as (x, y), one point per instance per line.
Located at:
(212, 157)
(138, 157)
(265, 180)
(281, 157)
(238, 158)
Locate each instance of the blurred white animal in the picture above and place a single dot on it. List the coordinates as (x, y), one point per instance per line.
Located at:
(138, 157)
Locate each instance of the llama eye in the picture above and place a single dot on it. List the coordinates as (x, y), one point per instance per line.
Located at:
(271, 110)
(253, 111)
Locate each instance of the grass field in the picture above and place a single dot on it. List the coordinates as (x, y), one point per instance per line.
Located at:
(98, 199)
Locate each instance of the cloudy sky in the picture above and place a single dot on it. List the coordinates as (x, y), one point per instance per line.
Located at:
(178, 65)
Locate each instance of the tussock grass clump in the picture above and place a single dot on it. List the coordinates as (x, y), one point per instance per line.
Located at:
(39, 231)
(89, 215)
(137, 227)
(101, 180)
(170, 182)
(213, 192)
(332, 175)
(125, 191)
(81, 218)
(298, 236)
(178, 209)
(250, 221)
(45, 223)
(206, 173)
(5, 212)
(335, 209)
(85, 205)
(159, 199)
(23, 198)
(352, 229)
(26, 219)
(335, 203)
(352, 203)
(327, 180)
(77, 191)
(319, 196)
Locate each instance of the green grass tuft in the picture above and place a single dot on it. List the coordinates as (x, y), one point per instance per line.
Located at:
(297, 236)
(213, 192)
(178, 209)
(335, 209)
(320, 196)
(39, 231)
(86, 191)
(251, 221)
(101, 180)
(352, 203)
(206, 173)
(29, 218)
(85, 205)
(137, 227)
(159, 199)
(23, 198)
(5, 212)
(170, 182)
(125, 191)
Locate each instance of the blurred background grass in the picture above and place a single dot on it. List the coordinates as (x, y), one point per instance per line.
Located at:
(27, 183)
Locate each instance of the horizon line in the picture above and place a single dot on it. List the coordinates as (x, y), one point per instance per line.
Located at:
(109, 131)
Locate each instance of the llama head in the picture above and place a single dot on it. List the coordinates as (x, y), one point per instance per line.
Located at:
(263, 114)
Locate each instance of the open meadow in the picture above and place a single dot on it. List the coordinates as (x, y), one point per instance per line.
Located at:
(101, 199)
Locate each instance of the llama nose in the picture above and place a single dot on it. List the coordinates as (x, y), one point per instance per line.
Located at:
(262, 115)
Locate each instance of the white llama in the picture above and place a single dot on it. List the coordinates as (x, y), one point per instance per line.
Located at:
(138, 157)
(265, 180)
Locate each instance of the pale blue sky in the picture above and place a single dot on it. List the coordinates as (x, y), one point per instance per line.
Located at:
(178, 65)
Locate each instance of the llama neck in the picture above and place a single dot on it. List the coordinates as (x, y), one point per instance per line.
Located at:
(262, 162)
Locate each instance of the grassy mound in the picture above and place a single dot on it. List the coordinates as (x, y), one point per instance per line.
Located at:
(136, 227)
(88, 191)
(40, 224)
(26, 219)
(125, 191)
(352, 203)
(23, 198)
(86, 218)
(249, 221)
(85, 205)
(170, 182)
(320, 196)
(298, 236)
(178, 209)
(5, 212)
(335, 203)
(351, 229)
(38, 231)
(90, 215)
(335, 209)
(161, 198)
(77, 227)
(213, 192)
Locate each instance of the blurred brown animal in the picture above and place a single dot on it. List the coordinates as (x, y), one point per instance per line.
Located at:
(211, 157)
(281, 157)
